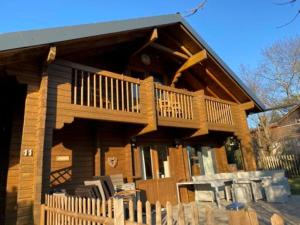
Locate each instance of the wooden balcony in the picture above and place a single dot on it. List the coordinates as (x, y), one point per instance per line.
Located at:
(175, 107)
(99, 94)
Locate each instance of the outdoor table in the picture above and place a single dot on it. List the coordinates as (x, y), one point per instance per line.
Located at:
(251, 181)
(215, 184)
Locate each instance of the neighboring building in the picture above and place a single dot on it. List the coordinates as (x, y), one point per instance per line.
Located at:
(146, 98)
(285, 133)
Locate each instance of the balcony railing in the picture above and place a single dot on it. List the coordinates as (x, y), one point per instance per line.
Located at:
(118, 96)
(218, 111)
(105, 90)
(173, 103)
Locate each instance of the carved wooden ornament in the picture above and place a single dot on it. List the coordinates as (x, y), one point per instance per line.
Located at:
(112, 161)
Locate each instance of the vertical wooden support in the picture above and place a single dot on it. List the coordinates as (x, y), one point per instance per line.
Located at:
(243, 134)
(209, 216)
(148, 213)
(131, 211)
(42, 217)
(139, 212)
(158, 213)
(147, 101)
(200, 113)
(181, 214)
(277, 220)
(128, 156)
(119, 212)
(169, 214)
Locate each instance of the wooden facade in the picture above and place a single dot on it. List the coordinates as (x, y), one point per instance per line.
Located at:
(131, 102)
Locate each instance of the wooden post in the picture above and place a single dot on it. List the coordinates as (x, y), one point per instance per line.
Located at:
(169, 214)
(148, 213)
(209, 216)
(42, 216)
(181, 214)
(277, 220)
(148, 104)
(119, 212)
(139, 212)
(131, 211)
(195, 214)
(158, 213)
(243, 134)
(200, 114)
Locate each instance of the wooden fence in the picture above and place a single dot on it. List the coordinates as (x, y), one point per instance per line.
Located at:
(289, 163)
(61, 210)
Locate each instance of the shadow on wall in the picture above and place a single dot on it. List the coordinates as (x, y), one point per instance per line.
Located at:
(72, 155)
(12, 207)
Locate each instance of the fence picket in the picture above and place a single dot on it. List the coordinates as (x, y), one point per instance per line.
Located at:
(169, 214)
(131, 211)
(158, 213)
(277, 220)
(209, 216)
(139, 212)
(289, 163)
(62, 210)
(195, 215)
(181, 214)
(148, 213)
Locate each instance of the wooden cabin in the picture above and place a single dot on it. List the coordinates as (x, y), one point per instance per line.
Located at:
(146, 98)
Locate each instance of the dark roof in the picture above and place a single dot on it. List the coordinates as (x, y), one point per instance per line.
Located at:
(290, 112)
(23, 39)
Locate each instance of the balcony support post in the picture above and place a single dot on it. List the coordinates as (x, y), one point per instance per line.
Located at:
(243, 134)
(148, 104)
(200, 113)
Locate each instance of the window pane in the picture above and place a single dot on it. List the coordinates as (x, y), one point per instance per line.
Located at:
(194, 160)
(163, 161)
(147, 162)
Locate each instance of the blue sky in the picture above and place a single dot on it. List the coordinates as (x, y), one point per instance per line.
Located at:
(236, 29)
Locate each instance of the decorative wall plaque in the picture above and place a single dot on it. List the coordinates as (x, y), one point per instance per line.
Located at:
(62, 158)
(112, 161)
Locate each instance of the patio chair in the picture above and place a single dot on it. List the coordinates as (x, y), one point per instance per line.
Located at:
(89, 191)
(119, 185)
(107, 190)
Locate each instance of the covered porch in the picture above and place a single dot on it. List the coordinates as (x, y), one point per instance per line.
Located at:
(154, 162)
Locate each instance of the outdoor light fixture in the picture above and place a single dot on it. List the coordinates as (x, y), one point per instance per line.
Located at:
(133, 142)
(176, 142)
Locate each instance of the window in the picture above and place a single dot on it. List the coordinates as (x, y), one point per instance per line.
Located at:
(155, 161)
(163, 161)
(194, 161)
(146, 163)
(201, 160)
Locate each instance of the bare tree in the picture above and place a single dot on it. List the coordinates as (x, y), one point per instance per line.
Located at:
(277, 82)
(289, 2)
(194, 10)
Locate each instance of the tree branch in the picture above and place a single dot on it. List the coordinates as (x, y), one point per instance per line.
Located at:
(291, 21)
(196, 9)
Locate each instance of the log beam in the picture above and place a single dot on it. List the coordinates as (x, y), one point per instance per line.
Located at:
(169, 51)
(153, 37)
(51, 55)
(193, 60)
(212, 76)
(248, 105)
